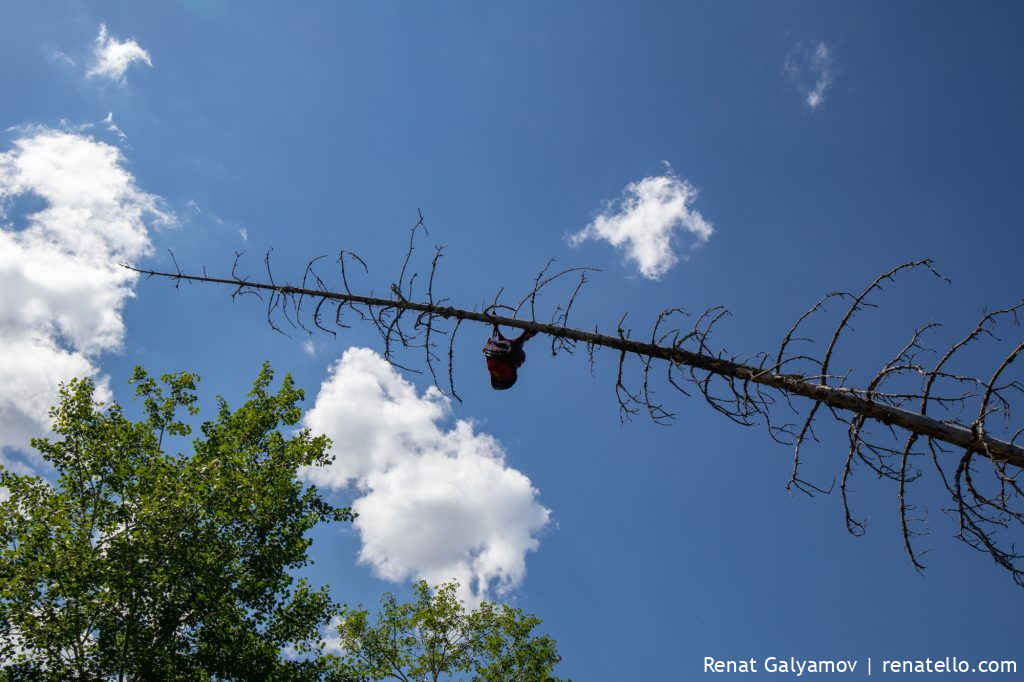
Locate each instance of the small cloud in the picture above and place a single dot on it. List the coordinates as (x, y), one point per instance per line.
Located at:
(436, 500)
(647, 222)
(111, 57)
(112, 127)
(193, 206)
(59, 57)
(245, 234)
(309, 348)
(809, 66)
(63, 123)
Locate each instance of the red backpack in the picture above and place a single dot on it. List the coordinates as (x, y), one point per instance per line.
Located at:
(505, 357)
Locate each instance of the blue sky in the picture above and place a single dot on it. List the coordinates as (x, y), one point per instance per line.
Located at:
(790, 149)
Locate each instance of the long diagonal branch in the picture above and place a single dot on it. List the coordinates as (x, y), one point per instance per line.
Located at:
(853, 400)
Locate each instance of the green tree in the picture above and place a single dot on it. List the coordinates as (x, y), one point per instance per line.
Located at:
(139, 564)
(434, 638)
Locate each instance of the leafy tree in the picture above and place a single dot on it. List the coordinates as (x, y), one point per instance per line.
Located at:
(434, 638)
(139, 564)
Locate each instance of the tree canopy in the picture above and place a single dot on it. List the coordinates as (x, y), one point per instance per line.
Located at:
(140, 564)
(435, 638)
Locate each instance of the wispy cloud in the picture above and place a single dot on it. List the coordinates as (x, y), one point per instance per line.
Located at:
(63, 290)
(651, 219)
(58, 57)
(112, 127)
(436, 502)
(112, 57)
(809, 66)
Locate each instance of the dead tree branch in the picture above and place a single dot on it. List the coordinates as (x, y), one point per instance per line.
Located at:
(850, 399)
(905, 394)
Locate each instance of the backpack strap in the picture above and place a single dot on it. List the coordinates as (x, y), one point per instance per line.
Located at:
(518, 341)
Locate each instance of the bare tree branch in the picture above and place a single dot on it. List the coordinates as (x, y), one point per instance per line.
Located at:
(903, 394)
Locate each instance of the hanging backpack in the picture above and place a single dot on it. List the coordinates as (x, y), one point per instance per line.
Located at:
(504, 358)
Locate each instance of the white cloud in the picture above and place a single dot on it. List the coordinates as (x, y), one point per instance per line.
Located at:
(112, 127)
(63, 289)
(647, 221)
(309, 348)
(435, 503)
(111, 57)
(809, 66)
(59, 57)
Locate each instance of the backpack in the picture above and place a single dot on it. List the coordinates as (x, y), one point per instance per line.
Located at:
(504, 358)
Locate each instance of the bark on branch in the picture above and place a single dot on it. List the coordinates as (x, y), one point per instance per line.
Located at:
(848, 399)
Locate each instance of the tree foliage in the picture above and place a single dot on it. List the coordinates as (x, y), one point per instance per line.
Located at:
(141, 564)
(435, 638)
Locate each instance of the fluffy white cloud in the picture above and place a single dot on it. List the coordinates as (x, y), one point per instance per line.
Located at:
(112, 57)
(646, 223)
(435, 502)
(810, 68)
(63, 289)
